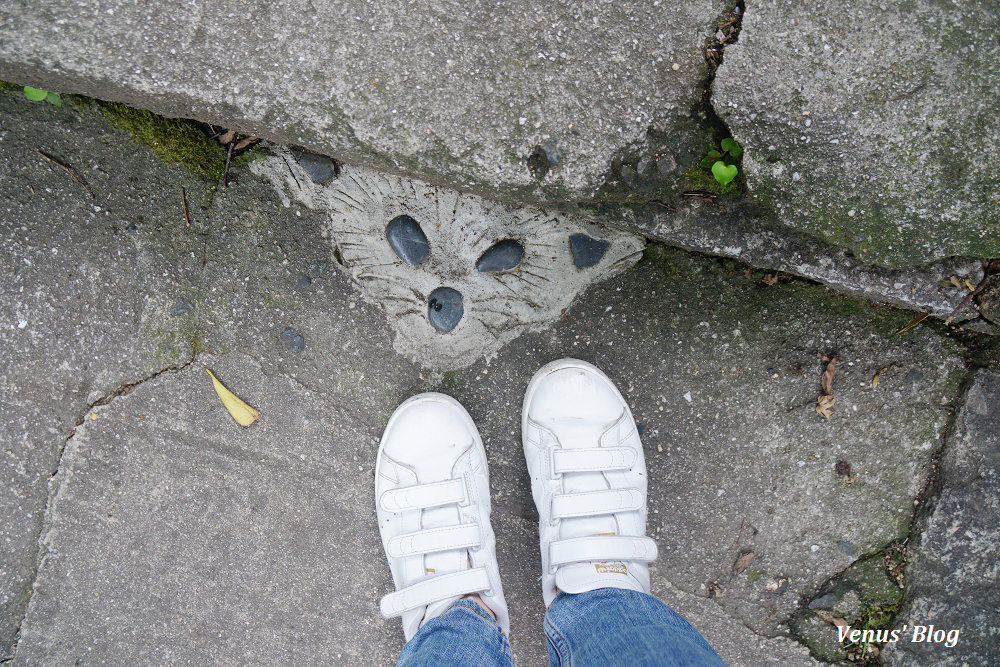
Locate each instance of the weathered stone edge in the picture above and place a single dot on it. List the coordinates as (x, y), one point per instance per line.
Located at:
(742, 230)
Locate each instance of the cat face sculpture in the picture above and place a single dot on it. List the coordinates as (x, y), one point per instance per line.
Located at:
(458, 276)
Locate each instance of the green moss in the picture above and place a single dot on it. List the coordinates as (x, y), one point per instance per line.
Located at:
(983, 352)
(867, 598)
(699, 178)
(674, 263)
(171, 140)
(171, 345)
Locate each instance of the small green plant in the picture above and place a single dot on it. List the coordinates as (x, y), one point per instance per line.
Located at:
(37, 95)
(723, 163)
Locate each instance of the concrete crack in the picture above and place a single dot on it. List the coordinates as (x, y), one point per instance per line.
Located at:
(894, 554)
(53, 484)
(121, 390)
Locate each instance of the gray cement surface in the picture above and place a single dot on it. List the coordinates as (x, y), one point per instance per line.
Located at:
(87, 289)
(529, 101)
(957, 559)
(173, 536)
(862, 122)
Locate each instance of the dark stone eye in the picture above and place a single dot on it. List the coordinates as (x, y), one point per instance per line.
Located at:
(320, 168)
(501, 256)
(586, 250)
(407, 240)
(444, 308)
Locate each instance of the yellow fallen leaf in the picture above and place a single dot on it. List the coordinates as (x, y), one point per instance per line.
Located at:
(915, 321)
(824, 405)
(241, 412)
(882, 371)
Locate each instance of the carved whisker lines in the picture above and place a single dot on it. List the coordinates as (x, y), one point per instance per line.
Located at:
(367, 275)
(365, 266)
(346, 199)
(540, 276)
(404, 299)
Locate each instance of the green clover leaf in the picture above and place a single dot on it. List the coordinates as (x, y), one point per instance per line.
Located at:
(730, 146)
(724, 172)
(35, 94)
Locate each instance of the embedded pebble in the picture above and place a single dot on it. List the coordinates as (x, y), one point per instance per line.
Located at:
(630, 176)
(551, 152)
(444, 308)
(294, 342)
(913, 375)
(317, 267)
(407, 240)
(501, 256)
(320, 168)
(824, 602)
(182, 306)
(586, 250)
(666, 164)
(304, 280)
(846, 548)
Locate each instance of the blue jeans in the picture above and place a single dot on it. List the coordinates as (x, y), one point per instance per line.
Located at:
(600, 628)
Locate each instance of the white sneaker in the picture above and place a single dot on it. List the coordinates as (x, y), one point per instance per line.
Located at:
(432, 498)
(588, 479)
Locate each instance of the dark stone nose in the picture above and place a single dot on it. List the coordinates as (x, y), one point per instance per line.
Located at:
(444, 308)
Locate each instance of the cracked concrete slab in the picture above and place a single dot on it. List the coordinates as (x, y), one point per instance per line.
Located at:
(750, 233)
(185, 487)
(207, 543)
(862, 123)
(455, 93)
(175, 536)
(955, 564)
(87, 289)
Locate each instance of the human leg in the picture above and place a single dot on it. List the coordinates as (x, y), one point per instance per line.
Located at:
(615, 626)
(588, 480)
(433, 507)
(463, 636)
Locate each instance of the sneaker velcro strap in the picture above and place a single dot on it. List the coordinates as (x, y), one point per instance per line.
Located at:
(597, 459)
(431, 540)
(422, 496)
(590, 503)
(428, 591)
(602, 548)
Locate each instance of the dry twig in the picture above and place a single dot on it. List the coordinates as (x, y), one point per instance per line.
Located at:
(991, 267)
(68, 171)
(187, 218)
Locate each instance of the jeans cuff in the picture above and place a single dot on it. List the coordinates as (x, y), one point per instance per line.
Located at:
(477, 609)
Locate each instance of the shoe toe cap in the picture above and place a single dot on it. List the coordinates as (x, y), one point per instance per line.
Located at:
(430, 433)
(575, 393)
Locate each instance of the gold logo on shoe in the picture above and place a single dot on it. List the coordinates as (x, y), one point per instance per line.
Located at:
(605, 568)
